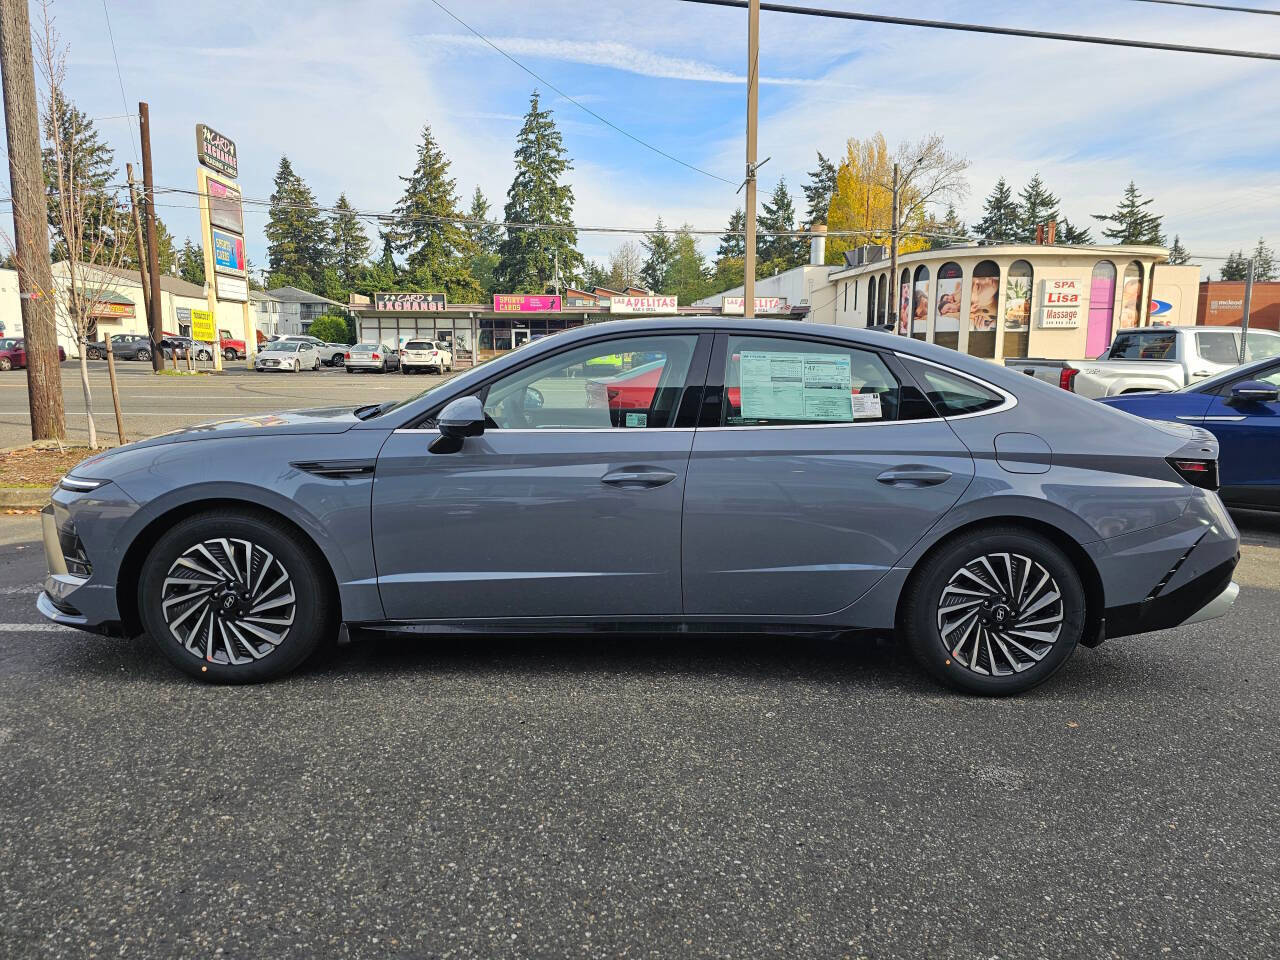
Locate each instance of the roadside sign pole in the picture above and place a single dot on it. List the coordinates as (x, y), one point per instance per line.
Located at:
(753, 101)
(154, 322)
(1248, 304)
(115, 392)
(206, 241)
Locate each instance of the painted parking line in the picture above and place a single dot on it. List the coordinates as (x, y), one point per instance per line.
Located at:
(35, 628)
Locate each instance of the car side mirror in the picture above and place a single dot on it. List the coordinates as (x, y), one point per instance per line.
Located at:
(461, 418)
(1254, 391)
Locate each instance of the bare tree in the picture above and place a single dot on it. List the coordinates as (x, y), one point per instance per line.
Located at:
(89, 219)
(931, 175)
(625, 264)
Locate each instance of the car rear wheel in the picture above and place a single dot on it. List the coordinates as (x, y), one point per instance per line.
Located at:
(231, 597)
(229, 354)
(995, 612)
(338, 361)
(94, 354)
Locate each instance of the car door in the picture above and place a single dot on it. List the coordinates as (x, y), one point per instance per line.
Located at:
(815, 467)
(1217, 350)
(1248, 435)
(566, 506)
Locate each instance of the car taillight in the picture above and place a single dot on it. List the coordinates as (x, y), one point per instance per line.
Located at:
(1067, 378)
(347, 355)
(376, 357)
(1198, 473)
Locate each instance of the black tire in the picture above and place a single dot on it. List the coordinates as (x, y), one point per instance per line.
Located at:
(94, 355)
(313, 610)
(349, 370)
(6, 363)
(922, 605)
(230, 354)
(338, 361)
(204, 355)
(142, 354)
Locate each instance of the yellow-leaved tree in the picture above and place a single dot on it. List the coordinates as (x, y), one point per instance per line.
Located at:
(862, 201)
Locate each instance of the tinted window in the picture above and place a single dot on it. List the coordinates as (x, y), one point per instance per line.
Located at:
(770, 381)
(1260, 346)
(1218, 347)
(625, 383)
(417, 345)
(953, 394)
(1144, 346)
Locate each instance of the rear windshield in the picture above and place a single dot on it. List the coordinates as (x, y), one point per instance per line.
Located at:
(364, 348)
(1144, 346)
(419, 345)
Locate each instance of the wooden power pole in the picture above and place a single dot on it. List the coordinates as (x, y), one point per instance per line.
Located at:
(893, 256)
(30, 223)
(154, 323)
(753, 105)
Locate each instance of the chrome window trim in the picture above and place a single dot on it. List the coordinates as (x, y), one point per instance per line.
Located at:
(1010, 401)
(502, 430)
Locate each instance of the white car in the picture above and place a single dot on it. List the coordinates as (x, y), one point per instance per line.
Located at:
(290, 355)
(426, 355)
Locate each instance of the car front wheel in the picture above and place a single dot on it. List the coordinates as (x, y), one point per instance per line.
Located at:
(229, 354)
(6, 363)
(995, 612)
(231, 597)
(143, 355)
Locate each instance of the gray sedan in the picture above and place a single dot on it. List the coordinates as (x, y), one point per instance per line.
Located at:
(377, 357)
(729, 476)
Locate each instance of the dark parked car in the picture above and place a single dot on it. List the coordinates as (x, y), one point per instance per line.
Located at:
(126, 346)
(183, 346)
(1240, 407)
(13, 353)
(782, 478)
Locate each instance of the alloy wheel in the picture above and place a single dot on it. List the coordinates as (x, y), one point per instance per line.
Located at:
(228, 601)
(1000, 614)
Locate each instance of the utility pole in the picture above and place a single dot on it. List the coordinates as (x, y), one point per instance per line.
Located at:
(753, 104)
(894, 294)
(30, 223)
(1248, 306)
(153, 252)
(143, 272)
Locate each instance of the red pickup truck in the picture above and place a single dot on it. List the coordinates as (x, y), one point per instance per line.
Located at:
(232, 347)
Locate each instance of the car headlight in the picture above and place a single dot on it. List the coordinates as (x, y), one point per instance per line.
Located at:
(79, 484)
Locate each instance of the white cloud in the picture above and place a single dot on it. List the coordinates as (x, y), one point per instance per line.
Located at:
(614, 56)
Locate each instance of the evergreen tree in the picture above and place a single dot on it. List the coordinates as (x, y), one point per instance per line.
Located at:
(1069, 233)
(166, 252)
(297, 236)
(87, 165)
(1178, 253)
(1036, 207)
(687, 275)
(733, 243)
(191, 262)
(1000, 215)
(1264, 262)
(436, 250)
(528, 259)
(1132, 222)
(484, 237)
(348, 244)
(822, 183)
(946, 232)
(659, 253)
(1236, 266)
(595, 275)
(778, 216)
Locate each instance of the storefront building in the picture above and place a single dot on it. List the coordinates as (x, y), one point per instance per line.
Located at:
(1018, 300)
(1222, 304)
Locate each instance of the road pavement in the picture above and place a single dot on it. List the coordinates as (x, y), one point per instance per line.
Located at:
(155, 404)
(661, 798)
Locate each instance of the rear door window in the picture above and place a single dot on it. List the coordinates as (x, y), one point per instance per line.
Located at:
(772, 381)
(1219, 346)
(1259, 346)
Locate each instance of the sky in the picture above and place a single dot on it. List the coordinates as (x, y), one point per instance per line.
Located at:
(343, 89)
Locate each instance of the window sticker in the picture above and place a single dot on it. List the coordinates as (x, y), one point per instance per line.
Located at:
(637, 420)
(797, 386)
(866, 406)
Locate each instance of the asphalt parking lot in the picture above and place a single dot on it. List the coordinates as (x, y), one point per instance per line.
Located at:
(662, 798)
(155, 404)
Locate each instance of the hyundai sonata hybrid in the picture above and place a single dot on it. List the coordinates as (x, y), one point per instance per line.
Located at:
(774, 477)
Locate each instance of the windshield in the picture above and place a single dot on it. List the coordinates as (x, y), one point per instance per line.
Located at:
(280, 346)
(10, 344)
(397, 404)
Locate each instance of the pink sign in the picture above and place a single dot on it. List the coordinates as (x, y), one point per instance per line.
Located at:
(523, 302)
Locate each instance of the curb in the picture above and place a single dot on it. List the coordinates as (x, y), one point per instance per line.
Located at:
(28, 498)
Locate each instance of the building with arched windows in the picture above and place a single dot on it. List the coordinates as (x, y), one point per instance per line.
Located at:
(1015, 300)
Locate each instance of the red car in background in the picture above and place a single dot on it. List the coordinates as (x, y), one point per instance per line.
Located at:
(632, 390)
(13, 353)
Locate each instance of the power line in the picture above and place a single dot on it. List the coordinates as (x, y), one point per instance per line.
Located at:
(984, 28)
(1229, 8)
(581, 106)
(124, 101)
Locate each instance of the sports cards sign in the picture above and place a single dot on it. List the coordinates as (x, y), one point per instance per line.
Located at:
(228, 252)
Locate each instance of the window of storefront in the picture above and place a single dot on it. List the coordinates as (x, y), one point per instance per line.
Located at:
(984, 293)
(1102, 303)
(904, 302)
(882, 299)
(920, 304)
(946, 319)
(1017, 308)
(871, 301)
(1131, 303)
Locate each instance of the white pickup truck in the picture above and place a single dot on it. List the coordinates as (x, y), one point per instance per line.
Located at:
(1153, 358)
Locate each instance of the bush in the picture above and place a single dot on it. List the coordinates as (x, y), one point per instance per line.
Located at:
(330, 329)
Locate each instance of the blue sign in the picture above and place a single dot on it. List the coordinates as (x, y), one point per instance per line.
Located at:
(228, 252)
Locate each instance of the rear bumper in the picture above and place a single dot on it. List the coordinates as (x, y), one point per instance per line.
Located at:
(1206, 597)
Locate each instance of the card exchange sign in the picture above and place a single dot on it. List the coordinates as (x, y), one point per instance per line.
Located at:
(216, 152)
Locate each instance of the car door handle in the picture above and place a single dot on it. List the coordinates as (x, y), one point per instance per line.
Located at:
(1203, 373)
(914, 475)
(639, 477)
